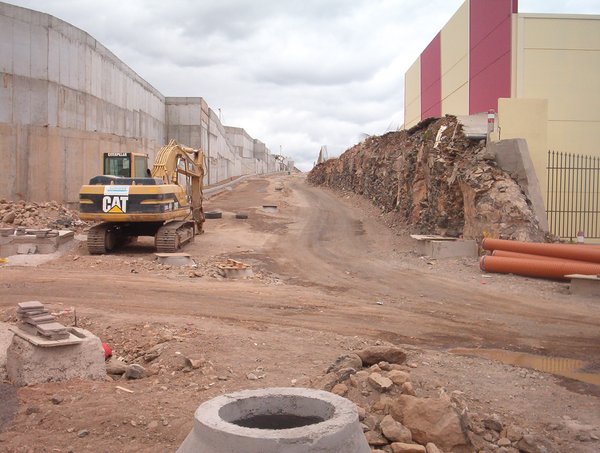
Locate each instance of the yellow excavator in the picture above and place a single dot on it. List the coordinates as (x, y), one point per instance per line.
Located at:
(131, 200)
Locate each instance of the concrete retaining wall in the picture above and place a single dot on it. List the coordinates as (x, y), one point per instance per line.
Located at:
(65, 100)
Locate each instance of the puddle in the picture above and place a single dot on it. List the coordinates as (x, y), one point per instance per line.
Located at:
(569, 368)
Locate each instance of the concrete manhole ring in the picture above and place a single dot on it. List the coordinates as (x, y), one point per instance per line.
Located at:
(276, 420)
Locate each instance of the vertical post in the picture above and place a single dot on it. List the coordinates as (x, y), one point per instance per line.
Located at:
(490, 125)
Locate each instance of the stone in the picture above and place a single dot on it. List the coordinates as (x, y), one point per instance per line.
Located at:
(151, 355)
(432, 420)
(340, 389)
(375, 439)
(57, 399)
(345, 361)
(9, 218)
(493, 423)
(432, 448)
(535, 444)
(514, 433)
(116, 367)
(395, 431)
(503, 442)
(83, 433)
(402, 447)
(252, 377)
(398, 377)
(153, 424)
(135, 371)
(379, 382)
(384, 366)
(362, 413)
(375, 354)
(408, 389)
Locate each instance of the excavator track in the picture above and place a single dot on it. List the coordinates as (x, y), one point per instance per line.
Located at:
(100, 239)
(170, 237)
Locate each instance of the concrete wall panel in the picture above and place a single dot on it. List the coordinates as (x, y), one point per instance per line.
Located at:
(65, 99)
(412, 94)
(6, 98)
(490, 43)
(455, 63)
(431, 79)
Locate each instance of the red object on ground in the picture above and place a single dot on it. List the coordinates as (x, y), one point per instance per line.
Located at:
(107, 351)
(577, 252)
(536, 268)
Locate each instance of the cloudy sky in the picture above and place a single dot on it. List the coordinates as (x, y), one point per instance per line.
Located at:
(294, 74)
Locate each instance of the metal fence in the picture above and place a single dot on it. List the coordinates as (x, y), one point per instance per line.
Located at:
(573, 196)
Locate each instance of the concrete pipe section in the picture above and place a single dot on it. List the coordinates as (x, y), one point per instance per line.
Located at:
(276, 420)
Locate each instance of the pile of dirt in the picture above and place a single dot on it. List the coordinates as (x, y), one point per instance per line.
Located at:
(39, 215)
(436, 181)
(395, 419)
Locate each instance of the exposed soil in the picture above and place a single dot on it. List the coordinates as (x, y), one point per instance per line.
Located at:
(330, 276)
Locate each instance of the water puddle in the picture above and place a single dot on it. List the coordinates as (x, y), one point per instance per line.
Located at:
(569, 368)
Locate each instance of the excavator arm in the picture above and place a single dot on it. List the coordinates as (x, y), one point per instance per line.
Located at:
(173, 160)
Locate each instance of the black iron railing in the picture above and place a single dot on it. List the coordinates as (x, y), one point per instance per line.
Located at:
(573, 195)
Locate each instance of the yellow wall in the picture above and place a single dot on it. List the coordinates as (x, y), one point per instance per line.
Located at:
(559, 60)
(455, 63)
(412, 95)
(528, 119)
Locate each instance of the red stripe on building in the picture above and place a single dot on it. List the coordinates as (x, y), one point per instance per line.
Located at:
(431, 79)
(490, 42)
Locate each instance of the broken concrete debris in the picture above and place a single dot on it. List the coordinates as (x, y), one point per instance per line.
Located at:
(448, 189)
(235, 269)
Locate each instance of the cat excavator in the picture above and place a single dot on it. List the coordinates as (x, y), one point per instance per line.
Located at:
(130, 200)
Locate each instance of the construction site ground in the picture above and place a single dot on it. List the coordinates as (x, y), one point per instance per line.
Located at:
(331, 274)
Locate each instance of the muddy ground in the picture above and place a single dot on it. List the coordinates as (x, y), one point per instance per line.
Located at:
(330, 276)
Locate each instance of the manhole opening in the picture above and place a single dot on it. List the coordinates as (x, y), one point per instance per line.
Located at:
(277, 412)
(277, 421)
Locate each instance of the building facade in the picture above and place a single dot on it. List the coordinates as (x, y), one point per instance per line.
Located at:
(539, 72)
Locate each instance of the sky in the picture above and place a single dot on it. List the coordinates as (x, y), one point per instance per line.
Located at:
(294, 74)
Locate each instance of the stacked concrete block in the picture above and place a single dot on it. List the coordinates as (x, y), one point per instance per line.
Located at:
(35, 314)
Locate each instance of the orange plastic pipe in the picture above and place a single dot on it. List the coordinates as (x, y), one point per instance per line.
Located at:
(529, 256)
(536, 268)
(577, 252)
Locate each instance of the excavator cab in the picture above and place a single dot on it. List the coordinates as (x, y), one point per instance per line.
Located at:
(128, 165)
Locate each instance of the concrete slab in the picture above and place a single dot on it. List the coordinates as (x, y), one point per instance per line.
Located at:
(440, 247)
(175, 259)
(585, 285)
(32, 337)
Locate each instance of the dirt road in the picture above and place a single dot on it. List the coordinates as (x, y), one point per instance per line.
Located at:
(331, 275)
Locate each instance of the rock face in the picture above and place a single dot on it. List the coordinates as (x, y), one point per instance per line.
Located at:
(431, 420)
(435, 187)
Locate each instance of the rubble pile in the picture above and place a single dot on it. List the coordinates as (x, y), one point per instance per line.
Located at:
(396, 420)
(436, 181)
(38, 215)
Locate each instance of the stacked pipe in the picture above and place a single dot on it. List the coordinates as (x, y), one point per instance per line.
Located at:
(533, 259)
